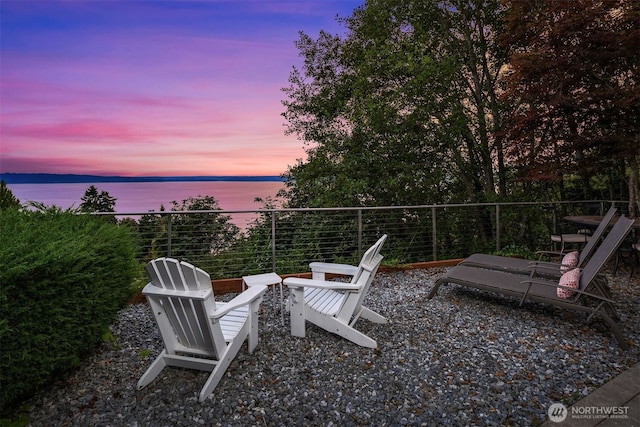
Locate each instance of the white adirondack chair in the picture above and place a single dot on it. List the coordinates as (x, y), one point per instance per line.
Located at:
(198, 333)
(336, 306)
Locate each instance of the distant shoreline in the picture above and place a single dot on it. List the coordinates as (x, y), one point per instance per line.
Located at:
(51, 178)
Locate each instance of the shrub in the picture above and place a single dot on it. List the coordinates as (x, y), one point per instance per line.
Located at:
(64, 277)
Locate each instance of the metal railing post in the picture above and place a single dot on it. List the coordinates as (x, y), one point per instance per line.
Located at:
(497, 227)
(273, 241)
(434, 232)
(359, 233)
(169, 235)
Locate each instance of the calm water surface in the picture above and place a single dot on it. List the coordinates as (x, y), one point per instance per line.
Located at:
(135, 197)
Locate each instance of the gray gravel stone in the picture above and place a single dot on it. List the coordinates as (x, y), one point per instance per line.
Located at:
(464, 358)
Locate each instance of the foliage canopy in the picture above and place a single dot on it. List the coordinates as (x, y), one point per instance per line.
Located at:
(64, 278)
(432, 102)
(574, 83)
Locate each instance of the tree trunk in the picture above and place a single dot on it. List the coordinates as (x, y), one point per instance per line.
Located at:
(634, 187)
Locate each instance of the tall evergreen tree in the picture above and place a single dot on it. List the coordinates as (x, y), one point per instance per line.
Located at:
(92, 201)
(7, 199)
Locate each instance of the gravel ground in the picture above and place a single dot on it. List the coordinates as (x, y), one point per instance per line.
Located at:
(464, 358)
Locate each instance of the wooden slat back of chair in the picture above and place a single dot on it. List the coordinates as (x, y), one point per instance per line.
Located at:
(169, 273)
(605, 251)
(595, 237)
(369, 270)
(190, 323)
(364, 277)
(370, 255)
(182, 311)
(366, 271)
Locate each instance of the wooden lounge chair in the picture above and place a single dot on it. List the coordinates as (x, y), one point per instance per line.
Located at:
(589, 297)
(198, 333)
(524, 266)
(332, 305)
(318, 269)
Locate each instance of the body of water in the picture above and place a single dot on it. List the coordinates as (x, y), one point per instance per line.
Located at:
(137, 197)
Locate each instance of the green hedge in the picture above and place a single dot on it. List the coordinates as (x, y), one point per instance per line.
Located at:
(63, 279)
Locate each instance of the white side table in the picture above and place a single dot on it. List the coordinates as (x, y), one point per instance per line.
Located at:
(267, 279)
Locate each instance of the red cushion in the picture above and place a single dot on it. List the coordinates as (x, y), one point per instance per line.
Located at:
(569, 261)
(571, 279)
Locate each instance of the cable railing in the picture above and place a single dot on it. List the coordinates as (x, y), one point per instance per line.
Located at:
(231, 244)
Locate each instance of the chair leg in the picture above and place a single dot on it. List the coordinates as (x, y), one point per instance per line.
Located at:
(616, 331)
(435, 288)
(615, 265)
(347, 332)
(637, 262)
(153, 371)
(252, 323)
(371, 316)
(221, 367)
(627, 259)
(297, 316)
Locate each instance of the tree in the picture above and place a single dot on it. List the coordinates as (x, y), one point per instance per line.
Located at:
(152, 234)
(92, 201)
(404, 110)
(7, 199)
(198, 234)
(574, 78)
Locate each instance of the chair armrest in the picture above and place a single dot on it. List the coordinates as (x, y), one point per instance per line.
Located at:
(556, 285)
(539, 268)
(535, 266)
(545, 264)
(549, 254)
(298, 282)
(245, 298)
(328, 267)
(153, 290)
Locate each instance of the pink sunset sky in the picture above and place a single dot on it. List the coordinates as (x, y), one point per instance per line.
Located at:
(142, 88)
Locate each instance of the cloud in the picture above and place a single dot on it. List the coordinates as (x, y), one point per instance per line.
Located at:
(39, 164)
(151, 87)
